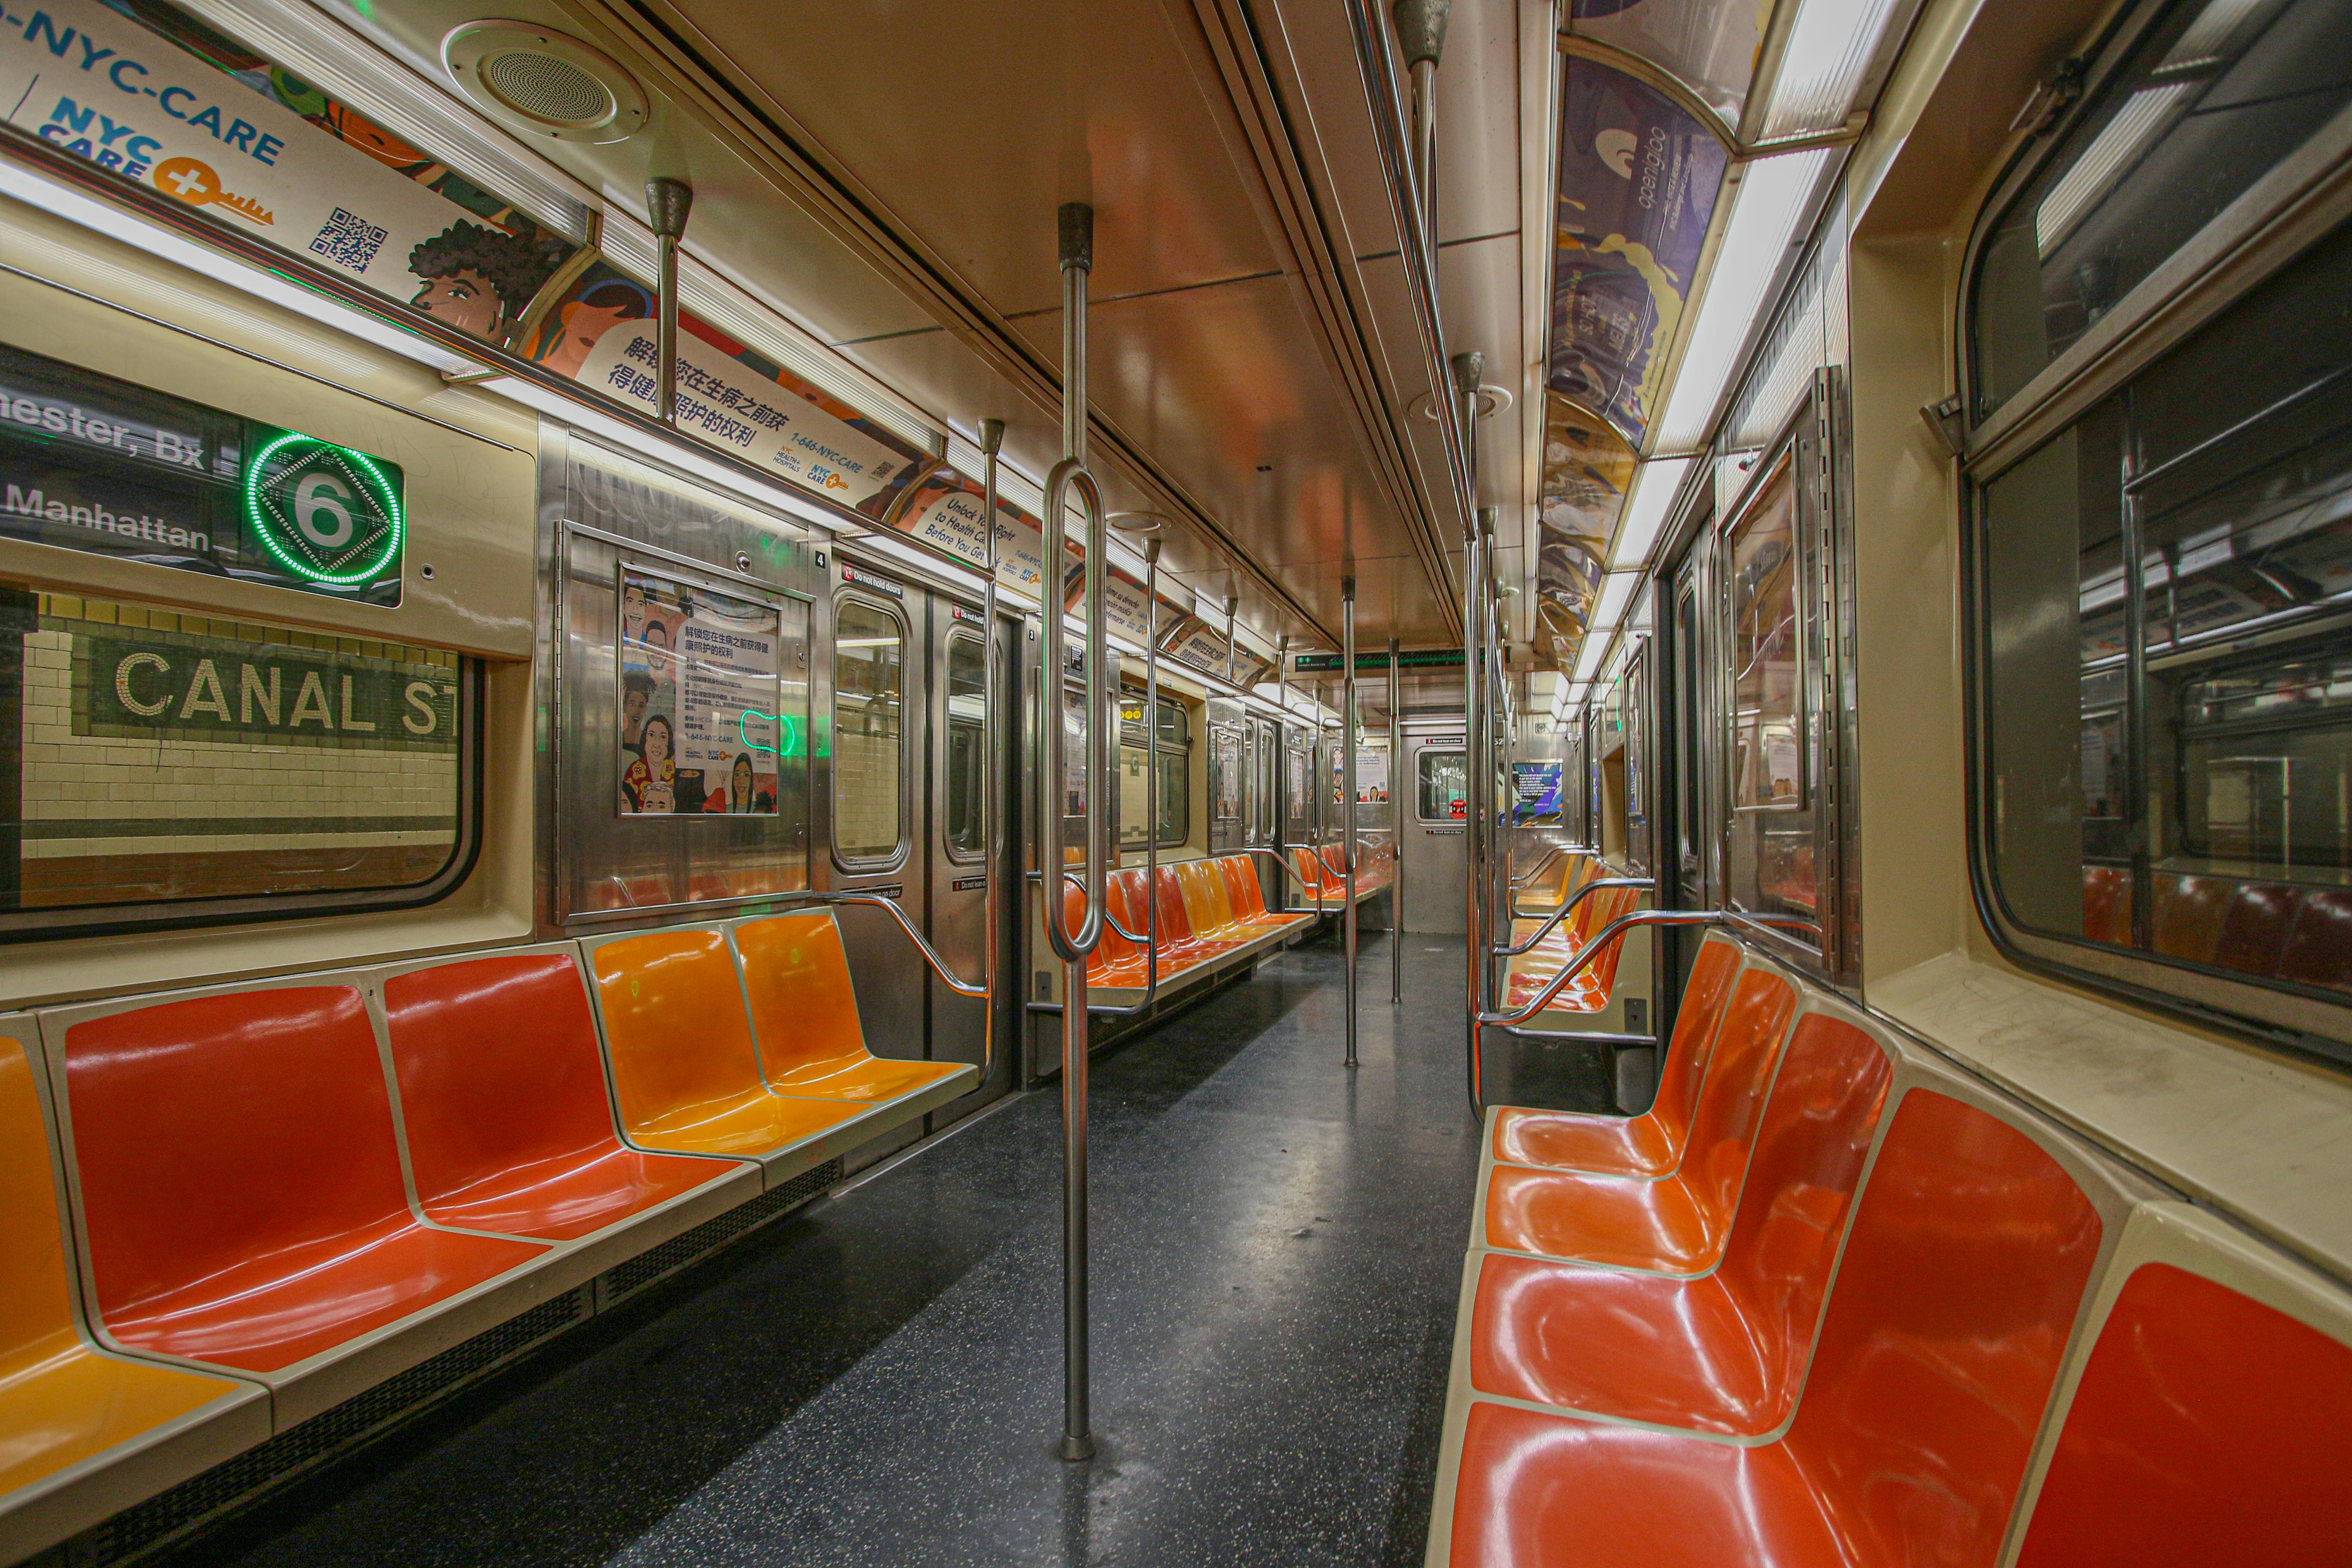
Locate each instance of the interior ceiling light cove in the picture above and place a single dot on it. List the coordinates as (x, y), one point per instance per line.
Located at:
(1707, 45)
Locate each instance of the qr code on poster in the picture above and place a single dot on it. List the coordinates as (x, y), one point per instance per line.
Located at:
(350, 241)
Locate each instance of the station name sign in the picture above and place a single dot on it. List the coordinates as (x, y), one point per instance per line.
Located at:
(91, 463)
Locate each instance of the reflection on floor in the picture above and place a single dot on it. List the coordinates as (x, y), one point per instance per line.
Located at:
(877, 1380)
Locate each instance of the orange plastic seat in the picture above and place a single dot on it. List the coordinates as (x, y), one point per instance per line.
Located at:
(2208, 1427)
(1649, 1145)
(2318, 951)
(804, 1016)
(2254, 933)
(518, 1139)
(1247, 896)
(2187, 916)
(62, 1400)
(1205, 905)
(1674, 1224)
(240, 1182)
(1115, 962)
(2107, 904)
(1966, 1265)
(1309, 868)
(1726, 1351)
(1176, 929)
(684, 1072)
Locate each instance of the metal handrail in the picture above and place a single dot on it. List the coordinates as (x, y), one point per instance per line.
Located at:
(1481, 1021)
(1532, 872)
(1567, 907)
(1288, 871)
(949, 977)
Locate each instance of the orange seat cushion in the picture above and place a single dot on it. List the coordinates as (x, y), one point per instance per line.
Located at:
(558, 1173)
(241, 1184)
(1949, 1316)
(1677, 1223)
(61, 1400)
(804, 1015)
(1725, 1351)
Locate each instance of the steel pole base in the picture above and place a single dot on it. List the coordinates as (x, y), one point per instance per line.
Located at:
(1077, 1448)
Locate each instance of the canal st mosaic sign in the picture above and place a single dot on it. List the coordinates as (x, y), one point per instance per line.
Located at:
(91, 463)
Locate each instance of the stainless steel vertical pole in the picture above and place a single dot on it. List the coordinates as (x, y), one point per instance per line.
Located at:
(1474, 621)
(1348, 789)
(991, 441)
(1282, 810)
(1420, 38)
(1232, 607)
(1070, 477)
(1396, 830)
(667, 203)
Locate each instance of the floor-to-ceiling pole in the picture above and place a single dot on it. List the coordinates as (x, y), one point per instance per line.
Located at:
(1348, 789)
(1396, 831)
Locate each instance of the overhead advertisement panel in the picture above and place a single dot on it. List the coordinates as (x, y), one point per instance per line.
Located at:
(1708, 44)
(944, 510)
(207, 122)
(168, 104)
(1639, 178)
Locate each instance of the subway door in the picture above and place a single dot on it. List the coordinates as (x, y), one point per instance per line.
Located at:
(956, 840)
(880, 704)
(1436, 778)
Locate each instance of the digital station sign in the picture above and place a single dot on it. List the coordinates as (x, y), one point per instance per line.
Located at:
(91, 463)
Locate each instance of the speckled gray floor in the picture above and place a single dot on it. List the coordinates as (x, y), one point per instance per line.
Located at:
(877, 1380)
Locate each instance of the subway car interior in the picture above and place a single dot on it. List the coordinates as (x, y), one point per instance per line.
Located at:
(1489, 782)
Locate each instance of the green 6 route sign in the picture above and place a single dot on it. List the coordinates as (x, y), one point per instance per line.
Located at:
(326, 513)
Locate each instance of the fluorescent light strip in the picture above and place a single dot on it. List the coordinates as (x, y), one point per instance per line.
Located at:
(1656, 485)
(1616, 590)
(2205, 41)
(735, 309)
(965, 458)
(1830, 48)
(1775, 194)
(1588, 658)
(119, 223)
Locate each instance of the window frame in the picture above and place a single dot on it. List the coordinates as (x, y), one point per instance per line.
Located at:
(1420, 757)
(870, 865)
(65, 923)
(971, 635)
(1132, 737)
(2280, 217)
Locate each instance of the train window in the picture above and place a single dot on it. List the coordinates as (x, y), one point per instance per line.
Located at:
(2166, 641)
(1442, 793)
(869, 651)
(1175, 764)
(967, 759)
(2214, 94)
(165, 765)
(1766, 753)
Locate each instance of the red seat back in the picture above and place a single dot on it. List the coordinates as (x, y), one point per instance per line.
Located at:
(1113, 948)
(1816, 1132)
(2106, 904)
(496, 1059)
(2319, 948)
(1241, 885)
(2208, 1427)
(1946, 1326)
(2254, 933)
(221, 1130)
(2187, 916)
(1731, 1098)
(1168, 896)
(1135, 898)
(1694, 1036)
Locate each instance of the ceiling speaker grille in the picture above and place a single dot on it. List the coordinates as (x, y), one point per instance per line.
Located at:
(547, 88)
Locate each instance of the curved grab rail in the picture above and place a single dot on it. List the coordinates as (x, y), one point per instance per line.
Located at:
(948, 977)
(1532, 872)
(1568, 908)
(1481, 1022)
(1069, 474)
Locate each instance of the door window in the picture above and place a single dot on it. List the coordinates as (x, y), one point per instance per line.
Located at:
(869, 731)
(967, 753)
(1444, 791)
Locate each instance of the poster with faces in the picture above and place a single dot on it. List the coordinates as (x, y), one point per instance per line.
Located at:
(701, 728)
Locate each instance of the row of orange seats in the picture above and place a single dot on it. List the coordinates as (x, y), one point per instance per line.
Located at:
(2281, 931)
(225, 1211)
(1209, 912)
(1589, 992)
(1834, 1301)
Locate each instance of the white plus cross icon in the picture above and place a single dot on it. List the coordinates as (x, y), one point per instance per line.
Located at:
(188, 183)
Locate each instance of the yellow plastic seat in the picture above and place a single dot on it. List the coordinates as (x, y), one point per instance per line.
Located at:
(684, 1072)
(804, 1016)
(63, 1401)
(1212, 915)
